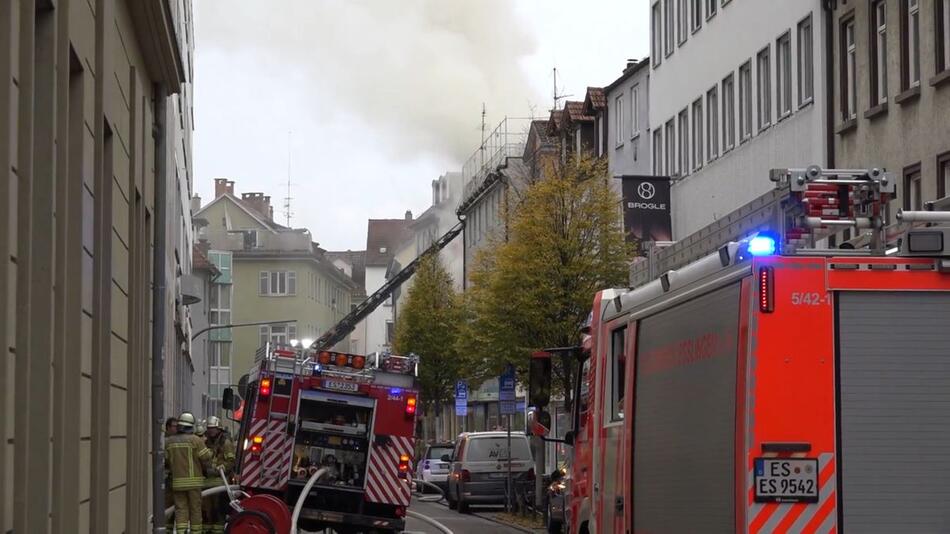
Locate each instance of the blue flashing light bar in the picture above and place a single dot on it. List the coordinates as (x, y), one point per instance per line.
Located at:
(762, 245)
(395, 391)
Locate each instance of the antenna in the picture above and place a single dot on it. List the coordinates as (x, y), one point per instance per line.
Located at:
(556, 95)
(482, 146)
(287, 213)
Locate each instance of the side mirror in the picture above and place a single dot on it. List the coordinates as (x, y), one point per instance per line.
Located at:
(539, 379)
(227, 399)
(569, 437)
(445, 458)
(539, 422)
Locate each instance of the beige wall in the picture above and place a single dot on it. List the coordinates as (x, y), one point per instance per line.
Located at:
(76, 119)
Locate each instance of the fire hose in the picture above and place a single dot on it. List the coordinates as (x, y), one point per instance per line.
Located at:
(303, 496)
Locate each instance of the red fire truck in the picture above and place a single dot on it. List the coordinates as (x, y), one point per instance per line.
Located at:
(350, 414)
(772, 386)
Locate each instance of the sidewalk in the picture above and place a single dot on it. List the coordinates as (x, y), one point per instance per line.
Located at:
(514, 521)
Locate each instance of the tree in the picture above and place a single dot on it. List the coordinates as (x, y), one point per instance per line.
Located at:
(428, 327)
(536, 288)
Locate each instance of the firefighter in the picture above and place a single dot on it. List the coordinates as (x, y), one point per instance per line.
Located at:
(223, 457)
(187, 458)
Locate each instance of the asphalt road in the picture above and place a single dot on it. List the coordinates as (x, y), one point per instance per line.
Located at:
(458, 523)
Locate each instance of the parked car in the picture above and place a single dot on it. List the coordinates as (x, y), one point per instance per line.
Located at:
(480, 468)
(557, 497)
(434, 463)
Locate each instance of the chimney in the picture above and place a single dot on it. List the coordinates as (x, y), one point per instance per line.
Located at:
(222, 186)
(408, 215)
(259, 203)
(195, 203)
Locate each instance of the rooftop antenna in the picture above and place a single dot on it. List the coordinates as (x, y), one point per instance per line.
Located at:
(287, 213)
(556, 95)
(482, 146)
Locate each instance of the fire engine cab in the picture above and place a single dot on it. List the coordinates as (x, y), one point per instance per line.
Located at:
(772, 386)
(352, 415)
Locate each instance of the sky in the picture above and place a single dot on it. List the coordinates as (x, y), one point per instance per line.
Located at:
(362, 103)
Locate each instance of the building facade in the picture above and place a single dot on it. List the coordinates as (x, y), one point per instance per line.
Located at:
(86, 140)
(383, 239)
(892, 94)
(269, 274)
(628, 134)
(743, 91)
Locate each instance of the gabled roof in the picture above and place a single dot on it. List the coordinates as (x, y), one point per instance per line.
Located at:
(268, 225)
(575, 112)
(555, 121)
(357, 259)
(631, 69)
(383, 237)
(595, 100)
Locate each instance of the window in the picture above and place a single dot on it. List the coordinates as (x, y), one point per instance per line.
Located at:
(656, 19)
(910, 43)
(849, 107)
(618, 119)
(619, 361)
(657, 152)
(806, 62)
(682, 21)
(278, 283)
(728, 112)
(583, 397)
(219, 304)
(668, 15)
(219, 363)
(764, 86)
(697, 15)
(943, 35)
(277, 334)
(390, 332)
(711, 9)
(783, 74)
(745, 101)
(684, 143)
(698, 134)
(943, 175)
(913, 192)
(671, 148)
(879, 53)
(712, 123)
(635, 111)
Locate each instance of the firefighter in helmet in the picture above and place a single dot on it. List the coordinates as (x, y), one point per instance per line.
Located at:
(223, 457)
(187, 458)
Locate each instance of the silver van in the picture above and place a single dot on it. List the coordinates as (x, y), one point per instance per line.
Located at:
(480, 468)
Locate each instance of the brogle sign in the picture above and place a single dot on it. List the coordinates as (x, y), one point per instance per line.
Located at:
(646, 208)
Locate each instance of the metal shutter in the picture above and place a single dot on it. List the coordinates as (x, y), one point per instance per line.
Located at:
(895, 412)
(684, 426)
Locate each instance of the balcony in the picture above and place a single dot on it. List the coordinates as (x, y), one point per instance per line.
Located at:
(507, 140)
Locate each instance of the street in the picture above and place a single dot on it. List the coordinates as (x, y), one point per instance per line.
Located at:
(458, 523)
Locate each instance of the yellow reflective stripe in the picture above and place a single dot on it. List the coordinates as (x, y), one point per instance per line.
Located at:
(205, 453)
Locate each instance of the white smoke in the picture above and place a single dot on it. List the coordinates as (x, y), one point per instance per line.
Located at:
(417, 71)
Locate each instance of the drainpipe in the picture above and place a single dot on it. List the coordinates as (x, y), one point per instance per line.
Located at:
(158, 315)
(830, 6)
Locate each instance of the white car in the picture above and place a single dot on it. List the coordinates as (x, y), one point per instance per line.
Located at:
(434, 464)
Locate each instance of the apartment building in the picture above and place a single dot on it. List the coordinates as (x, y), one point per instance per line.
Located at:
(88, 140)
(627, 112)
(892, 94)
(269, 274)
(743, 91)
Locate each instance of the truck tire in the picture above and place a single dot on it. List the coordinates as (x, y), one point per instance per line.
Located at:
(453, 504)
(463, 507)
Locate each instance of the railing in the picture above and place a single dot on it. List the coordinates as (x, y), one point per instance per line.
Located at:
(506, 140)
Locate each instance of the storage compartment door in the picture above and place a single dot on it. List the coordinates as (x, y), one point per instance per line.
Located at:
(894, 401)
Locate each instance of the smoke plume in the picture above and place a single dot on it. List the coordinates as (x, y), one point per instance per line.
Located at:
(417, 71)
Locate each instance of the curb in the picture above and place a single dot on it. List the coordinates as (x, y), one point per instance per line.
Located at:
(519, 528)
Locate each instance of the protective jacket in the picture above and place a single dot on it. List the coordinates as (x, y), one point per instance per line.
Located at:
(187, 459)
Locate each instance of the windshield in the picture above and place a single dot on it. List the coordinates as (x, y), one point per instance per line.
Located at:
(496, 448)
(436, 453)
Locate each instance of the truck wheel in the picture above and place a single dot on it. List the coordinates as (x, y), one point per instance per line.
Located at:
(555, 527)
(463, 507)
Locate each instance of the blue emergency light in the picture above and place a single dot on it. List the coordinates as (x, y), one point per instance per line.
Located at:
(762, 245)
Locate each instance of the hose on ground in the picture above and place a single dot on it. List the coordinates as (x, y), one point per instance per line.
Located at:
(209, 492)
(427, 519)
(421, 497)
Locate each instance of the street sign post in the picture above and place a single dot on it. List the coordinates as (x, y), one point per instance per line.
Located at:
(461, 398)
(507, 406)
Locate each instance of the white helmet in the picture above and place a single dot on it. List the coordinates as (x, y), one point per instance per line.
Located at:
(200, 428)
(214, 422)
(186, 420)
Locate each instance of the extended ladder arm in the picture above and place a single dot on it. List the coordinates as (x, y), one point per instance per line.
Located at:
(346, 325)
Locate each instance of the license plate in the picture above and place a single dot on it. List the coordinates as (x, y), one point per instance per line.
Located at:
(340, 386)
(497, 475)
(786, 480)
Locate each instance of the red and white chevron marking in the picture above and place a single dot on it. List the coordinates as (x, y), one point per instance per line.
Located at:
(271, 468)
(383, 483)
(815, 518)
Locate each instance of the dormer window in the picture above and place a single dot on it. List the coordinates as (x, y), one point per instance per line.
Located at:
(382, 250)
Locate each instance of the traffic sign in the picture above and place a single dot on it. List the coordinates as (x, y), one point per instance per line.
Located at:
(506, 391)
(461, 398)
